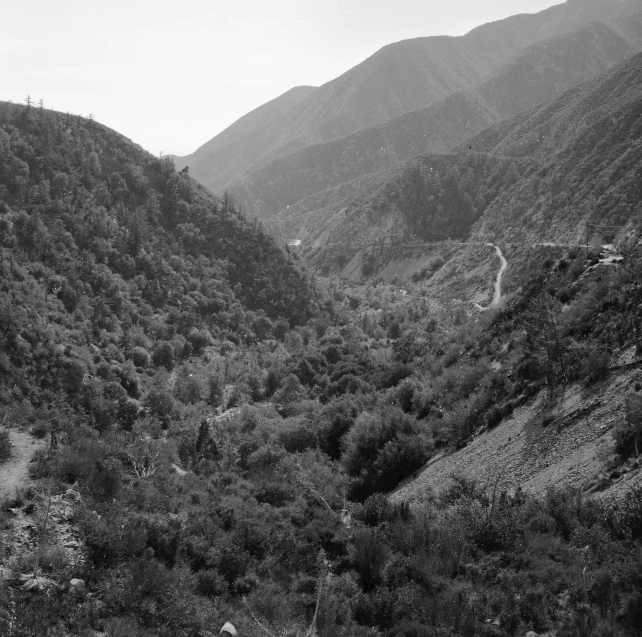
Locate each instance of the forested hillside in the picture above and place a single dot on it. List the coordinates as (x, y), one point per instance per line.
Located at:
(105, 246)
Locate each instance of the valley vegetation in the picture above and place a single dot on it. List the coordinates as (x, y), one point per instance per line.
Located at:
(231, 429)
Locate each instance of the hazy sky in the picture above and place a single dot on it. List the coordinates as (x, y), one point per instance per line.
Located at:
(171, 75)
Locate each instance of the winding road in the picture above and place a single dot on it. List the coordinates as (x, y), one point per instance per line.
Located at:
(497, 296)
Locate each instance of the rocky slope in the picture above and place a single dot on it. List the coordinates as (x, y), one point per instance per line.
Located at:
(538, 447)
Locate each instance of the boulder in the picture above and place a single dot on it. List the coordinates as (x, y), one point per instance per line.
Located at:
(76, 584)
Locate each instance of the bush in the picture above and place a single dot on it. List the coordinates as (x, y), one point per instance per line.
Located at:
(210, 583)
(199, 339)
(382, 449)
(628, 434)
(140, 357)
(87, 463)
(103, 540)
(332, 423)
(255, 385)
(126, 413)
(624, 518)
(368, 558)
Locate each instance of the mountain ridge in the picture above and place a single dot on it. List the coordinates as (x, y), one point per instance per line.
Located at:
(398, 78)
(538, 73)
(249, 122)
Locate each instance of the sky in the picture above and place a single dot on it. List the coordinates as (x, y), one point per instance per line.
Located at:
(171, 75)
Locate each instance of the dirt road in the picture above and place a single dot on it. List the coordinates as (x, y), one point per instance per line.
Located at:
(15, 472)
(497, 296)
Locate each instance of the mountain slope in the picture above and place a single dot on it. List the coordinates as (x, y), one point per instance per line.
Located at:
(630, 27)
(575, 159)
(397, 79)
(249, 123)
(539, 73)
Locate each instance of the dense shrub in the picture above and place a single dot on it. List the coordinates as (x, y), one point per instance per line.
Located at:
(199, 339)
(383, 448)
(140, 357)
(332, 423)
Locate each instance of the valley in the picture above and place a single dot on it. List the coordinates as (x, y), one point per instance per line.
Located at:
(366, 364)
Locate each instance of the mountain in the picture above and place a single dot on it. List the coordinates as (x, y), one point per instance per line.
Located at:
(399, 78)
(249, 123)
(538, 176)
(630, 27)
(588, 150)
(539, 73)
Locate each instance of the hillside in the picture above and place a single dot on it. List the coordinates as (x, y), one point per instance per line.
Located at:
(399, 78)
(539, 73)
(587, 148)
(576, 139)
(100, 240)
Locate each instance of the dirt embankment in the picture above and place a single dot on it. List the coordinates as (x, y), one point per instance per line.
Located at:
(570, 444)
(15, 472)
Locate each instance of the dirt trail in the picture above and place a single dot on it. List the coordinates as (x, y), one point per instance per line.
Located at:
(498, 282)
(497, 296)
(15, 472)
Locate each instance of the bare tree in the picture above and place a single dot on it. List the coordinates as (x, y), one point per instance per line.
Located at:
(144, 456)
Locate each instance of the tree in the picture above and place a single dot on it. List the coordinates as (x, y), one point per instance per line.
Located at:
(542, 318)
(205, 446)
(164, 355)
(160, 403)
(290, 391)
(214, 391)
(383, 448)
(628, 436)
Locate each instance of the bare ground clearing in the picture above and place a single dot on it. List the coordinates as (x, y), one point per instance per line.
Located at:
(15, 472)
